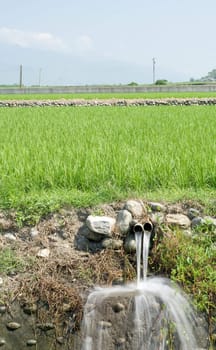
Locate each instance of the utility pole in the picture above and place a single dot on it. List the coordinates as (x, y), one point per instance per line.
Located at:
(39, 80)
(20, 80)
(153, 69)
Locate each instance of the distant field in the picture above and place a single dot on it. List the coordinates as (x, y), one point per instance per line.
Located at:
(87, 155)
(107, 95)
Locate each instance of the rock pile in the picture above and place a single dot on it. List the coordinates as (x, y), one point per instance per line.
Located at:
(109, 102)
(102, 232)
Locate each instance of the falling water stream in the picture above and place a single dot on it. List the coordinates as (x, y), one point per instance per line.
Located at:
(151, 314)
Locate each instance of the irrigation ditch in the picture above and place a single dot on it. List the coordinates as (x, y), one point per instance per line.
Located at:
(47, 270)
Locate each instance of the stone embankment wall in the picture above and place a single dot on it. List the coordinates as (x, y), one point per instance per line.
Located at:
(109, 102)
(101, 232)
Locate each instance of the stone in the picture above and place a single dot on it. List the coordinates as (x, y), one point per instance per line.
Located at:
(12, 273)
(53, 238)
(2, 309)
(155, 206)
(2, 341)
(175, 209)
(179, 220)
(13, 325)
(10, 237)
(156, 218)
(130, 244)
(136, 208)
(198, 221)
(123, 221)
(5, 224)
(60, 340)
(103, 225)
(105, 324)
(192, 213)
(118, 307)
(64, 235)
(34, 232)
(210, 221)
(187, 232)
(1, 281)
(109, 243)
(91, 235)
(134, 222)
(31, 342)
(120, 342)
(46, 326)
(30, 309)
(43, 253)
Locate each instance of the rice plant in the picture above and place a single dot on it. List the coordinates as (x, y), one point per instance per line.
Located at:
(119, 95)
(86, 151)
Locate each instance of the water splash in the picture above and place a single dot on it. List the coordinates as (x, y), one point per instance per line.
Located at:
(154, 313)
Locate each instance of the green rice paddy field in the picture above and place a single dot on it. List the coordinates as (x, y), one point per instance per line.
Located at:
(131, 95)
(86, 155)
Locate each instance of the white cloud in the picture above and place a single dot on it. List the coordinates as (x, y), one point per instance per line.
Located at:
(38, 40)
(45, 41)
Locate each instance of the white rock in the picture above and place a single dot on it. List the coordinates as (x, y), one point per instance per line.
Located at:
(43, 253)
(210, 221)
(179, 220)
(13, 325)
(157, 218)
(2, 341)
(10, 237)
(123, 221)
(105, 324)
(101, 224)
(31, 342)
(1, 281)
(34, 232)
(136, 208)
(155, 206)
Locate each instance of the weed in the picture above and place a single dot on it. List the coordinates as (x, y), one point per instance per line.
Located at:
(10, 262)
(190, 261)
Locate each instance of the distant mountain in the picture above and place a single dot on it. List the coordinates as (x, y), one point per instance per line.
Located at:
(59, 68)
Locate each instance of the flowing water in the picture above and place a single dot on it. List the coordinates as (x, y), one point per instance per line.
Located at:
(151, 314)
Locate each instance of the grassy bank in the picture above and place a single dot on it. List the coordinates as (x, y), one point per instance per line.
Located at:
(82, 156)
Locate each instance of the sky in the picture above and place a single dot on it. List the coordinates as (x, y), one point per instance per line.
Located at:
(85, 42)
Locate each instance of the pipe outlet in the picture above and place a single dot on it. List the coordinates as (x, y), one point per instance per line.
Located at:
(138, 228)
(148, 227)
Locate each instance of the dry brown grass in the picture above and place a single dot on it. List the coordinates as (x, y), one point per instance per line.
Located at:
(59, 287)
